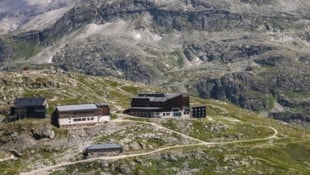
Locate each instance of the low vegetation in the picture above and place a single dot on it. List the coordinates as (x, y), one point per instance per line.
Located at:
(241, 142)
(62, 88)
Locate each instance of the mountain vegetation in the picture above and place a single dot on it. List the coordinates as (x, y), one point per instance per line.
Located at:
(230, 140)
(248, 61)
(254, 54)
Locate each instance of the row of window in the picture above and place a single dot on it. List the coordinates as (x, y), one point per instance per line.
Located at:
(199, 114)
(143, 114)
(149, 114)
(186, 112)
(83, 119)
(199, 109)
(177, 114)
(166, 114)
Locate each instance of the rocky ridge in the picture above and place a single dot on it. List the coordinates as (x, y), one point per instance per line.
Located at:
(254, 54)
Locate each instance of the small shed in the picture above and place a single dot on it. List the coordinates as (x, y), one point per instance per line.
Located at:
(109, 149)
(29, 108)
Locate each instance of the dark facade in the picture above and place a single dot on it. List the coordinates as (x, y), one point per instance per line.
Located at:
(103, 109)
(165, 106)
(164, 101)
(29, 108)
(159, 105)
(98, 150)
(198, 111)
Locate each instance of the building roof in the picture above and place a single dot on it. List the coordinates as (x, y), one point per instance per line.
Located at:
(146, 108)
(104, 146)
(76, 107)
(30, 101)
(155, 97)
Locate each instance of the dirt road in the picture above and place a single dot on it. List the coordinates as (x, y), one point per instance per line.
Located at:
(200, 143)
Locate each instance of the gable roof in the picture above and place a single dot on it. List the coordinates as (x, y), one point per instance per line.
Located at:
(30, 101)
(76, 107)
(104, 146)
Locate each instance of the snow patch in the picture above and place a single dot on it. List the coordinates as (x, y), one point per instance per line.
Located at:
(121, 29)
(145, 36)
(8, 24)
(197, 61)
(138, 36)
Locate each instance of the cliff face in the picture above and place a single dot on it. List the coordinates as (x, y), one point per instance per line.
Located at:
(251, 53)
(14, 14)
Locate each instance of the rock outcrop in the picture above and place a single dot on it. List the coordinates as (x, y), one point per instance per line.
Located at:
(251, 53)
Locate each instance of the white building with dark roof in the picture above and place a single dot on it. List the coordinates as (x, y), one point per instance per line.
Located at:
(82, 115)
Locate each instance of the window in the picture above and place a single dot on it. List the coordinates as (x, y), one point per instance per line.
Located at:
(177, 114)
(168, 114)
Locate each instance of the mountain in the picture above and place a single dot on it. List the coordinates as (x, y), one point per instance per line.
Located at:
(253, 53)
(231, 140)
(15, 14)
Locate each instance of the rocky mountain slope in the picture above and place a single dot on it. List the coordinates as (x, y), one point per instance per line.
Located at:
(18, 14)
(66, 88)
(230, 140)
(254, 54)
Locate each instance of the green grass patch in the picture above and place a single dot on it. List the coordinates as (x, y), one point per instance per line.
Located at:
(81, 168)
(26, 50)
(271, 102)
(11, 167)
(132, 89)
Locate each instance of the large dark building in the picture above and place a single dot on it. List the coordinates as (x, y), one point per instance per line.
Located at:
(160, 105)
(29, 108)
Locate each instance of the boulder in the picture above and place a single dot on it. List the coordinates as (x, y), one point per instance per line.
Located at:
(125, 170)
(42, 133)
(17, 153)
(169, 157)
(104, 165)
